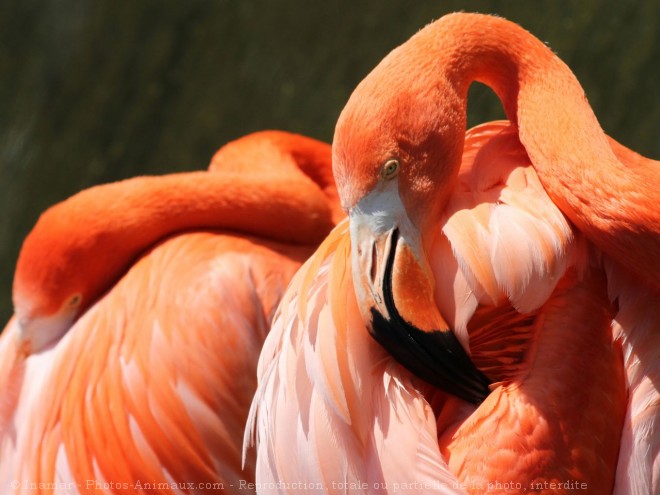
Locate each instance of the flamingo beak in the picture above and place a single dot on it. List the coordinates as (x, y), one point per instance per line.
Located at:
(36, 334)
(395, 293)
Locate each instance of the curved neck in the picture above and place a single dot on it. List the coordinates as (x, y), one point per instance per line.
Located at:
(538, 91)
(609, 197)
(288, 209)
(94, 236)
(286, 153)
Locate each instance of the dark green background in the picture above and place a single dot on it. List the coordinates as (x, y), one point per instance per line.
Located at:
(93, 91)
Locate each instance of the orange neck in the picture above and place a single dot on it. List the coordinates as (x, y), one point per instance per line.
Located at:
(95, 235)
(609, 197)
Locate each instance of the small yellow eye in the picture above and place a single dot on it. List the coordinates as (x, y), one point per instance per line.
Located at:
(390, 169)
(74, 300)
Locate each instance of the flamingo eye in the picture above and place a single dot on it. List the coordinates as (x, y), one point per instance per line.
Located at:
(390, 169)
(74, 300)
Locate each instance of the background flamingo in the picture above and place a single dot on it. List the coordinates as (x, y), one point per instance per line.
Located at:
(397, 152)
(141, 307)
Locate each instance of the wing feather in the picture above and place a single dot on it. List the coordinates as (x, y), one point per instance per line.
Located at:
(154, 382)
(637, 327)
(511, 242)
(350, 408)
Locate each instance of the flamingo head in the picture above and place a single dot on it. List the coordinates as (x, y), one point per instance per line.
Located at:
(396, 155)
(51, 284)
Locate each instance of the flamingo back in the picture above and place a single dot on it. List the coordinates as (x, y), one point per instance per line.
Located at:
(163, 374)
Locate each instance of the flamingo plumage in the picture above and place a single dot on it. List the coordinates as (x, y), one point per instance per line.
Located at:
(494, 295)
(143, 383)
(392, 429)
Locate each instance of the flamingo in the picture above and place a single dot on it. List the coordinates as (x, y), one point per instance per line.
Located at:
(140, 310)
(467, 273)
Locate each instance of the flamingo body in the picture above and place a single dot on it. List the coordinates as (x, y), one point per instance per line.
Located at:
(148, 389)
(522, 292)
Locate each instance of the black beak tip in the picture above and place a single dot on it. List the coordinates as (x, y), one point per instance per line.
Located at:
(436, 357)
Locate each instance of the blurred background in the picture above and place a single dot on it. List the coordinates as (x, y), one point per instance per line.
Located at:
(94, 91)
